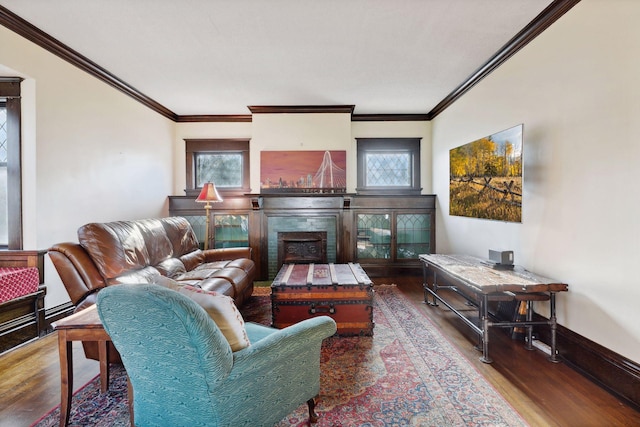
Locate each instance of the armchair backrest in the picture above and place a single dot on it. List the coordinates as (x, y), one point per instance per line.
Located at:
(173, 352)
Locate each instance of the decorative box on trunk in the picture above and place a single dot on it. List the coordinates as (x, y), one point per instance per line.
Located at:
(342, 291)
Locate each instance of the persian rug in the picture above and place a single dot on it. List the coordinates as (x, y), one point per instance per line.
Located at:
(407, 374)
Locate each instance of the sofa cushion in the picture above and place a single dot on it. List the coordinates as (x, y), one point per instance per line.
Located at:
(155, 238)
(171, 267)
(192, 259)
(224, 312)
(243, 263)
(115, 247)
(216, 284)
(181, 235)
(143, 275)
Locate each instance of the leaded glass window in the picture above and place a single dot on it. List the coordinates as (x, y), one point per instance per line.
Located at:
(224, 162)
(388, 166)
(388, 169)
(225, 169)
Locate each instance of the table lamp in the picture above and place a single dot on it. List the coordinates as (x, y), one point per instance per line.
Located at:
(208, 195)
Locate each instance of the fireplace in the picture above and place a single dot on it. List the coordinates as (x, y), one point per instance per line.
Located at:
(302, 247)
(306, 235)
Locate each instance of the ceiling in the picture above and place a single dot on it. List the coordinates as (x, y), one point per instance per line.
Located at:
(217, 57)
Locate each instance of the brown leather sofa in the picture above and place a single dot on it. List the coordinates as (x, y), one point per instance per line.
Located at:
(147, 251)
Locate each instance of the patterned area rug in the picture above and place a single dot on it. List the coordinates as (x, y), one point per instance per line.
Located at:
(407, 374)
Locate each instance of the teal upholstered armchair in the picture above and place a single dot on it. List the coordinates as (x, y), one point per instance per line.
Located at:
(182, 369)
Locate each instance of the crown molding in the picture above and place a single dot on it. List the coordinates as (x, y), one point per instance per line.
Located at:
(23, 28)
(389, 118)
(548, 16)
(199, 118)
(277, 109)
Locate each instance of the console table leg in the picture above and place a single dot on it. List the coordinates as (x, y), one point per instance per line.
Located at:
(529, 318)
(484, 302)
(425, 285)
(553, 323)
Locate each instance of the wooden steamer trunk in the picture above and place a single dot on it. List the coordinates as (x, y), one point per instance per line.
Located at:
(342, 291)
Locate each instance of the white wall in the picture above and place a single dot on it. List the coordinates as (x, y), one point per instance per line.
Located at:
(326, 131)
(577, 91)
(90, 153)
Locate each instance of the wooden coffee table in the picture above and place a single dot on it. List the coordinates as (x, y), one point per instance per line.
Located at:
(84, 325)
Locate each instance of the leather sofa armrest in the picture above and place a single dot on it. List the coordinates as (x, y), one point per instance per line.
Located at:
(76, 269)
(226, 254)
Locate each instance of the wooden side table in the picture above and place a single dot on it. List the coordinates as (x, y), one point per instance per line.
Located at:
(84, 325)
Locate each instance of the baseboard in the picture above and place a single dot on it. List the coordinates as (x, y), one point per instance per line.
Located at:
(56, 313)
(22, 319)
(612, 371)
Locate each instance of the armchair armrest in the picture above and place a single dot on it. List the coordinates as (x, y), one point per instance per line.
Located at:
(225, 254)
(283, 344)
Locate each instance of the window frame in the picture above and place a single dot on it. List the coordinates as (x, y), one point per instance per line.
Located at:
(396, 145)
(10, 93)
(194, 147)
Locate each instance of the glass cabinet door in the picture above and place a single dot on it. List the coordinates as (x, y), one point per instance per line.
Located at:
(413, 234)
(374, 236)
(198, 223)
(230, 231)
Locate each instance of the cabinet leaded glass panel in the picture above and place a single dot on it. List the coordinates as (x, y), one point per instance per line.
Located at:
(374, 236)
(231, 231)
(413, 235)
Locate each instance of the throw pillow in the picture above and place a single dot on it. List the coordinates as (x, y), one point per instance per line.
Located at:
(224, 312)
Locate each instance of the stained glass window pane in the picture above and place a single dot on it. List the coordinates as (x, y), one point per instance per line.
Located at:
(224, 169)
(388, 169)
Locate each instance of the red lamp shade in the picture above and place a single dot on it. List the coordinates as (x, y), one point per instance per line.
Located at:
(209, 193)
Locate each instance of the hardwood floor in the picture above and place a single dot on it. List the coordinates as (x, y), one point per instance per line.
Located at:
(544, 393)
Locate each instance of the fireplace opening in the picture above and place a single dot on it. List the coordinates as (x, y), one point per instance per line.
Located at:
(302, 247)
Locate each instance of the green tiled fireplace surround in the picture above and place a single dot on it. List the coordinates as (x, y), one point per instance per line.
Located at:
(293, 223)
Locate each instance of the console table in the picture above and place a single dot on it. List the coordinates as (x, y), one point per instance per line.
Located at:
(480, 282)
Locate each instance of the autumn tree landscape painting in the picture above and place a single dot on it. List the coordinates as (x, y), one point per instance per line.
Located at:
(486, 177)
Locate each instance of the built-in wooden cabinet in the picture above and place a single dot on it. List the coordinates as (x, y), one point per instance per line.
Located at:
(385, 234)
(392, 231)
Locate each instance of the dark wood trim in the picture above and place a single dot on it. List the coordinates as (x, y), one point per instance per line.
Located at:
(277, 109)
(195, 118)
(610, 370)
(56, 313)
(390, 118)
(22, 319)
(23, 28)
(194, 146)
(548, 16)
(10, 87)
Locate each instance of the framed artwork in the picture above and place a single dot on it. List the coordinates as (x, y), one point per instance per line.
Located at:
(303, 171)
(485, 177)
